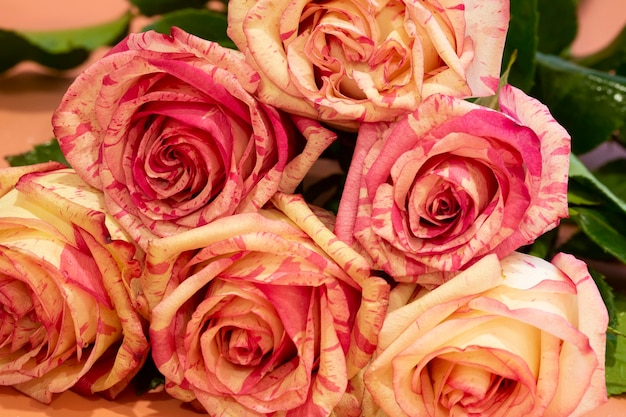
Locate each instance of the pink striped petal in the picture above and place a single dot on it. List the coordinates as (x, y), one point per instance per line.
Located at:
(351, 62)
(267, 313)
(516, 337)
(170, 129)
(431, 193)
(68, 321)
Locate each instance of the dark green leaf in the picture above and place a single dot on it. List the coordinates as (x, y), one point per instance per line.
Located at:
(148, 378)
(613, 332)
(608, 296)
(16, 49)
(59, 49)
(206, 24)
(590, 104)
(45, 152)
(610, 58)
(606, 228)
(555, 38)
(616, 353)
(613, 175)
(543, 246)
(604, 220)
(581, 195)
(326, 192)
(85, 38)
(153, 7)
(581, 246)
(522, 37)
(580, 176)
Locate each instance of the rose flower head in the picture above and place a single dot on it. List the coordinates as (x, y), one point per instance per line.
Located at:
(454, 181)
(168, 128)
(271, 315)
(520, 337)
(345, 62)
(67, 320)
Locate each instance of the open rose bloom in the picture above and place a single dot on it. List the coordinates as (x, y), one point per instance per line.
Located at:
(67, 321)
(454, 181)
(179, 231)
(169, 129)
(520, 337)
(269, 314)
(346, 62)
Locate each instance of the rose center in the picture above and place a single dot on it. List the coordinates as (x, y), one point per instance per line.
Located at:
(20, 328)
(448, 194)
(176, 169)
(243, 347)
(471, 390)
(436, 206)
(352, 49)
(443, 206)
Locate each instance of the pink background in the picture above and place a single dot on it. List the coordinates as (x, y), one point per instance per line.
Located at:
(29, 95)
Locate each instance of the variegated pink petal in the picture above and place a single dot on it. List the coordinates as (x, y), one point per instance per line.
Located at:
(550, 201)
(68, 264)
(175, 136)
(351, 62)
(10, 176)
(270, 307)
(429, 194)
(500, 338)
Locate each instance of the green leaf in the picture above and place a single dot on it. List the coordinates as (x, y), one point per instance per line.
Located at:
(590, 104)
(597, 211)
(45, 152)
(153, 7)
(606, 228)
(543, 246)
(613, 333)
(556, 38)
(16, 49)
(148, 378)
(59, 49)
(616, 354)
(578, 195)
(326, 192)
(613, 175)
(85, 38)
(206, 24)
(581, 246)
(579, 174)
(610, 58)
(522, 37)
(608, 296)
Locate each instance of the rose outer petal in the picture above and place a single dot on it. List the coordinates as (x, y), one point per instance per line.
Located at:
(532, 319)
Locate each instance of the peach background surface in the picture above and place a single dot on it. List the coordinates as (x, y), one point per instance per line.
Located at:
(28, 97)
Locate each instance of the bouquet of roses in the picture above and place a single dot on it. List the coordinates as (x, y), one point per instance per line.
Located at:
(196, 224)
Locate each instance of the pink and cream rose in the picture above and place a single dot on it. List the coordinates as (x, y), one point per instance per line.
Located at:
(168, 127)
(67, 320)
(454, 181)
(263, 314)
(520, 337)
(345, 62)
